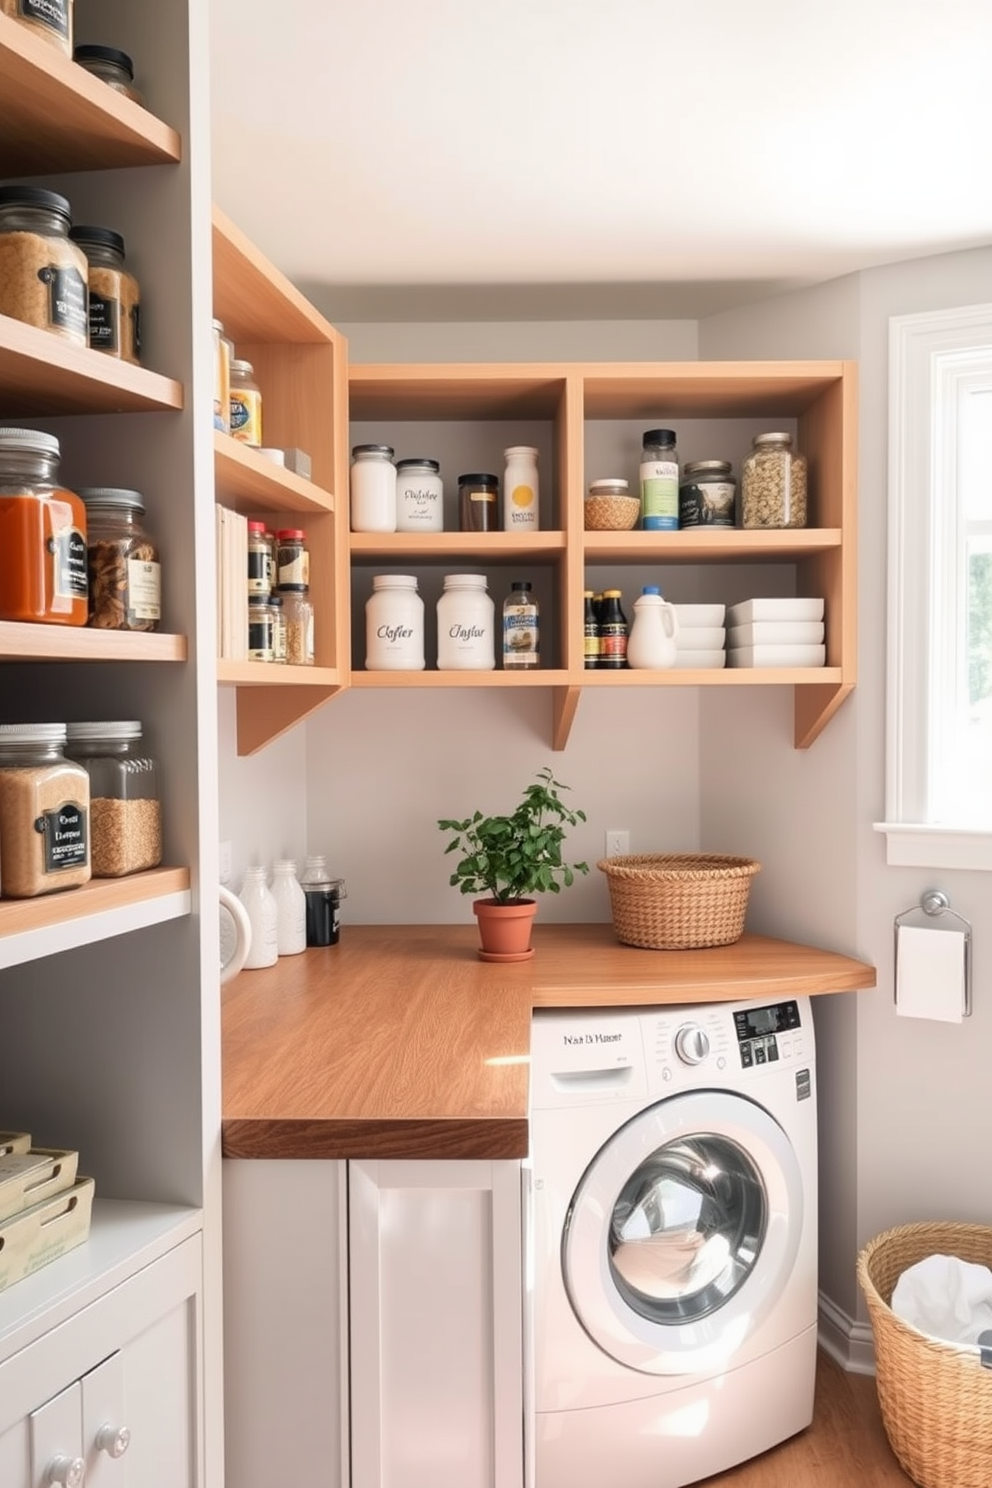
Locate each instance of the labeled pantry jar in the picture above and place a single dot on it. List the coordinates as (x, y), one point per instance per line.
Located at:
(466, 620)
(125, 576)
(125, 811)
(419, 496)
(246, 404)
(111, 66)
(44, 812)
(114, 323)
(707, 494)
(42, 534)
(773, 483)
(394, 625)
(43, 274)
(478, 502)
(50, 20)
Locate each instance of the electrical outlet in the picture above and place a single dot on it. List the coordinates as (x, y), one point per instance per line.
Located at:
(617, 843)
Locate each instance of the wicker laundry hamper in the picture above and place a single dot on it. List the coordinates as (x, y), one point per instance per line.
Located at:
(679, 901)
(935, 1398)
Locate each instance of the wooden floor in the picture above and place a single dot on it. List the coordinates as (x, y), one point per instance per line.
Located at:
(846, 1446)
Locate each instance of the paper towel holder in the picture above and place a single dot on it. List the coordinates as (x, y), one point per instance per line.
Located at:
(934, 903)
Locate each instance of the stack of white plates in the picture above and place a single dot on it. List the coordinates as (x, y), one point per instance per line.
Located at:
(776, 633)
(700, 641)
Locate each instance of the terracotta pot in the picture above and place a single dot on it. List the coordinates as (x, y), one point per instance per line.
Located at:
(504, 929)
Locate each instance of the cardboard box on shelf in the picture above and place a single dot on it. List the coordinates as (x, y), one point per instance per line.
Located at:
(41, 1234)
(28, 1177)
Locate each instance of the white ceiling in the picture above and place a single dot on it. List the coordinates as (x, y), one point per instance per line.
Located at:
(420, 159)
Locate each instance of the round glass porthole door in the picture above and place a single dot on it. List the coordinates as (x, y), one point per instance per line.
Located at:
(682, 1232)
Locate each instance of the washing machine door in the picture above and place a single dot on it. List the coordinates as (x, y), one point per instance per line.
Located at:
(683, 1232)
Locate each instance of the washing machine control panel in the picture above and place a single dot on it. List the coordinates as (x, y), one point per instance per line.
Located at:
(767, 1034)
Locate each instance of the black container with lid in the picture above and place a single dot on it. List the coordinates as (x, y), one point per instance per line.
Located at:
(478, 502)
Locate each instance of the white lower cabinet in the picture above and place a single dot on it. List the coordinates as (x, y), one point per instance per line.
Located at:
(109, 1398)
(436, 1324)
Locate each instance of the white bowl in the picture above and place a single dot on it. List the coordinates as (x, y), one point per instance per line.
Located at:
(691, 615)
(698, 660)
(701, 638)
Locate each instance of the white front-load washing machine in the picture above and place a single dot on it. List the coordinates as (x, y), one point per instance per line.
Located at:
(671, 1217)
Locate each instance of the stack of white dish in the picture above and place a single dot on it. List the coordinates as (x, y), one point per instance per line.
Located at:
(700, 641)
(776, 633)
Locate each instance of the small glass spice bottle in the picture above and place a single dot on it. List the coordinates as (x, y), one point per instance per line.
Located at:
(521, 628)
(125, 811)
(261, 628)
(478, 502)
(292, 558)
(114, 322)
(42, 534)
(278, 629)
(260, 564)
(297, 609)
(50, 21)
(246, 404)
(590, 632)
(773, 483)
(111, 66)
(125, 576)
(44, 812)
(43, 274)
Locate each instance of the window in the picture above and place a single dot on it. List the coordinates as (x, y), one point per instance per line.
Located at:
(939, 736)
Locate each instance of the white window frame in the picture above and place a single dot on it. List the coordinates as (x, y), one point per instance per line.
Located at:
(931, 357)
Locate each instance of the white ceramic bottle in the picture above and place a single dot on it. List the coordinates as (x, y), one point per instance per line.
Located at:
(394, 625)
(466, 618)
(521, 489)
(263, 915)
(291, 909)
(653, 632)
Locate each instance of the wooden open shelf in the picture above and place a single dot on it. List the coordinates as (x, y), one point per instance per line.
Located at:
(30, 928)
(42, 375)
(69, 643)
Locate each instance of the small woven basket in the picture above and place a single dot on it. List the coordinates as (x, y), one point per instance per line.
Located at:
(611, 513)
(935, 1398)
(679, 901)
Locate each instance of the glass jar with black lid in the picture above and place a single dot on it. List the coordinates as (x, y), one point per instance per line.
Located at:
(114, 321)
(111, 66)
(478, 502)
(44, 276)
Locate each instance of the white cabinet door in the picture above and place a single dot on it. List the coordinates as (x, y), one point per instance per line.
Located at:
(436, 1324)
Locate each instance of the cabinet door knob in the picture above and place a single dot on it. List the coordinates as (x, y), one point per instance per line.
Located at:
(67, 1471)
(114, 1440)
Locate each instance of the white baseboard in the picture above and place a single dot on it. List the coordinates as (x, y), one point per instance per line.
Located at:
(845, 1339)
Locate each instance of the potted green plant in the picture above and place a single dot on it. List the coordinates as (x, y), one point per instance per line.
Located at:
(508, 859)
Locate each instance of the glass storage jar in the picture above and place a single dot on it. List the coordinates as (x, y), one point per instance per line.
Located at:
(114, 321)
(111, 66)
(246, 404)
(261, 628)
(478, 502)
(373, 488)
(125, 576)
(43, 274)
(707, 494)
(773, 483)
(419, 496)
(44, 812)
(50, 20)
(125, 811)
(659, 480)
(297, 618)
(42, 534)
(260, 559)
(278, 629)
(292, 558)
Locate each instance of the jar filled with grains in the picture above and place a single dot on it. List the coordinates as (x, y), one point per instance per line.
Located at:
(773, 483)
(125, 812)
(114, 297)
(111, 66)
(124, 571)
(43, 275)
(43, 531)
(297, 610)
(44, 812)
(50, 21)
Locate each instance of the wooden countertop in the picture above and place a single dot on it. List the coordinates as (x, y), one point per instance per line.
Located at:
(400, 1042)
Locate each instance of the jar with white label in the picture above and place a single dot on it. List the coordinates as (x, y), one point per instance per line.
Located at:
(125, 577)
(659, 479)
(419, 496)
(521, 628)
(521, 489)
(465, 625)
(246, 404)
(44, 812)
(292, 566)
(43, 552)
(394, 625)
(373, 488)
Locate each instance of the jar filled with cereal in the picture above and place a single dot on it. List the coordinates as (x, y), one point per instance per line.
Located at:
(43, 275)
(773, 483)
(124, 571)
(44, 812)
(125, 812)
(114, 324)
(43, 531)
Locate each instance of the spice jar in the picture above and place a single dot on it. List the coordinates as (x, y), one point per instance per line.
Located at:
(114, 323)
(707, 494)
(44, 812)
(42, 534)
(419, 496)
(773, 483)
(278, 629)
(246, 404)
(260, 559)
(373, 488)
(297, 618)
(478, 502)
(111, 66)
(125, 812)
(50, 20)
(292, 558)
(125, 577)
(521, 628)
(43, 274)
(261, 628)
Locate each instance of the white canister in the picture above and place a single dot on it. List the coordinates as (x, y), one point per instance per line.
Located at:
(373, 488)
(653, 632)
(466, 625)
(394, 625)
(263, 914)
(291, 909)
(521, 489)
(419, 496)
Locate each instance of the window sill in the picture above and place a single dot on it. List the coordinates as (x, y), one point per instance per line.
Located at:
(913, 846)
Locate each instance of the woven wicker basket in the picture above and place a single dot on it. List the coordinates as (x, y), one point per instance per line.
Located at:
(935, 1398)
(611, 513)
(679, 901)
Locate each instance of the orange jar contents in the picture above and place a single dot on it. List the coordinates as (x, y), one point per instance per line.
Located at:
(43, 575)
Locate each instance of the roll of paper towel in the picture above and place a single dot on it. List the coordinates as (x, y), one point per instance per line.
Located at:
(930, 973)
